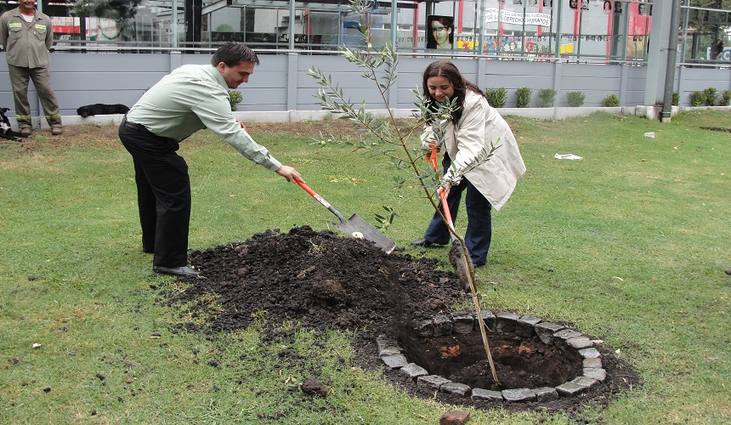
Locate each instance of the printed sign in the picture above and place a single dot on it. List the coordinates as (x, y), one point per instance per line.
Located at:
(516, 18)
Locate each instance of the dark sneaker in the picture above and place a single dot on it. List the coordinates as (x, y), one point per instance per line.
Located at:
(184, 271)
(25, 131)
(56, 129)
(427, 244)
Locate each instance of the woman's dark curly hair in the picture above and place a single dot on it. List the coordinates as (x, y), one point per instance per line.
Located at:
(447, 70)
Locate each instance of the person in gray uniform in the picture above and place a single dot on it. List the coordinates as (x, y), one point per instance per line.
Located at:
(27, 36)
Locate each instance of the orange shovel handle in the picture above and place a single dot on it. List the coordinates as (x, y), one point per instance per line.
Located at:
(304, 186)
(432, 157)
(443, 193)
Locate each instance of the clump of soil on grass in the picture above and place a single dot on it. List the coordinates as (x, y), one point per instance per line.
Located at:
(324, 281)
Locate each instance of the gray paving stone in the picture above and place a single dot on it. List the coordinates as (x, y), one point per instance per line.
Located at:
(455, 388)
(413, 370)
(387, 346)
(442, 325)
(431, 381)
(589, 353)
(506, 322)
(595, 373)
(395, 361)
(546, 393)
(524, 326)
(593, 362)
(424, 327)
(569, 388)
(530, 320)
(545, 331)
(463, 323)
(508, 315)
(519, 394)
(567, 334)
(579, 342)
(483, 394)
(488, 317)
(584, 381)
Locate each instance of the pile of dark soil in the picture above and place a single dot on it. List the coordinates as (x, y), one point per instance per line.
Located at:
(320, 280)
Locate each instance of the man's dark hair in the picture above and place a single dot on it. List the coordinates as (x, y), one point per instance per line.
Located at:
(233, 53)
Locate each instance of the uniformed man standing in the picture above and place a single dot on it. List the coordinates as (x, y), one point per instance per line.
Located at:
(27, 35)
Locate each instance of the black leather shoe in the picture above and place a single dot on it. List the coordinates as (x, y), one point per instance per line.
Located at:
(184, 271)
(427, 244)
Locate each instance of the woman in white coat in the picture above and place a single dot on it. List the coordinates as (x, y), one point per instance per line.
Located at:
(474, 127)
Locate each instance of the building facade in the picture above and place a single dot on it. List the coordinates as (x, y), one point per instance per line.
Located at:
(600, 47)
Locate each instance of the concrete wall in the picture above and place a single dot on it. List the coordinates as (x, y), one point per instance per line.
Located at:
(281, 82)
(699, 79)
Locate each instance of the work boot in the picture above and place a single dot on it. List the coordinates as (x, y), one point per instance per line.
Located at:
(25, 131)
(56, 129)
(184, 271)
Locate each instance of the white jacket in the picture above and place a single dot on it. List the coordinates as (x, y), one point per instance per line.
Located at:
(479, 126)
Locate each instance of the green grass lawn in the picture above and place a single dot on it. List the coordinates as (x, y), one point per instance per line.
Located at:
(629, 244)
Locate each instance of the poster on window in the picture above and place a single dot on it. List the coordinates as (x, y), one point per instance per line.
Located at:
(440, 34)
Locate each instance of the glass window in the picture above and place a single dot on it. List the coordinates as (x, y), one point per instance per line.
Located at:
(517, 28)
(538, 41)
(133, 23)
(590, 29)
(638, 30)
(706, 31)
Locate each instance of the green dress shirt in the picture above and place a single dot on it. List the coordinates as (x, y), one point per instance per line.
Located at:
(191, 98)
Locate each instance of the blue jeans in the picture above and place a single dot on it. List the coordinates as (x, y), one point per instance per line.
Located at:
(479, 222)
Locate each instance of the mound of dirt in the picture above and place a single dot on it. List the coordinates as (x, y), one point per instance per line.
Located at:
(324, 281)
(320, 280)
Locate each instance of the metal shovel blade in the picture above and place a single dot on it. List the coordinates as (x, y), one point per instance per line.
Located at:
(358, 228)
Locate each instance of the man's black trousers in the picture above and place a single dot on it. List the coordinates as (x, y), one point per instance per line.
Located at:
(163, 194)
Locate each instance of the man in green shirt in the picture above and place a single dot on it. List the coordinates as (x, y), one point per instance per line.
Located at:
(27, 35)
(188, 99)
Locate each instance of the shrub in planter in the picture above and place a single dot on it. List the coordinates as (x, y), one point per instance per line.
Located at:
(575, 98)
(726, 98)
(697, 98)
(676, 99)
(234, 98)
(546, 97)
(710, 94)
(610, 101)
(522, 96)
(496, 97)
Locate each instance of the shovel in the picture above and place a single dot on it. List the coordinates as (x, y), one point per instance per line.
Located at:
(355, 226)
(455, 252)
